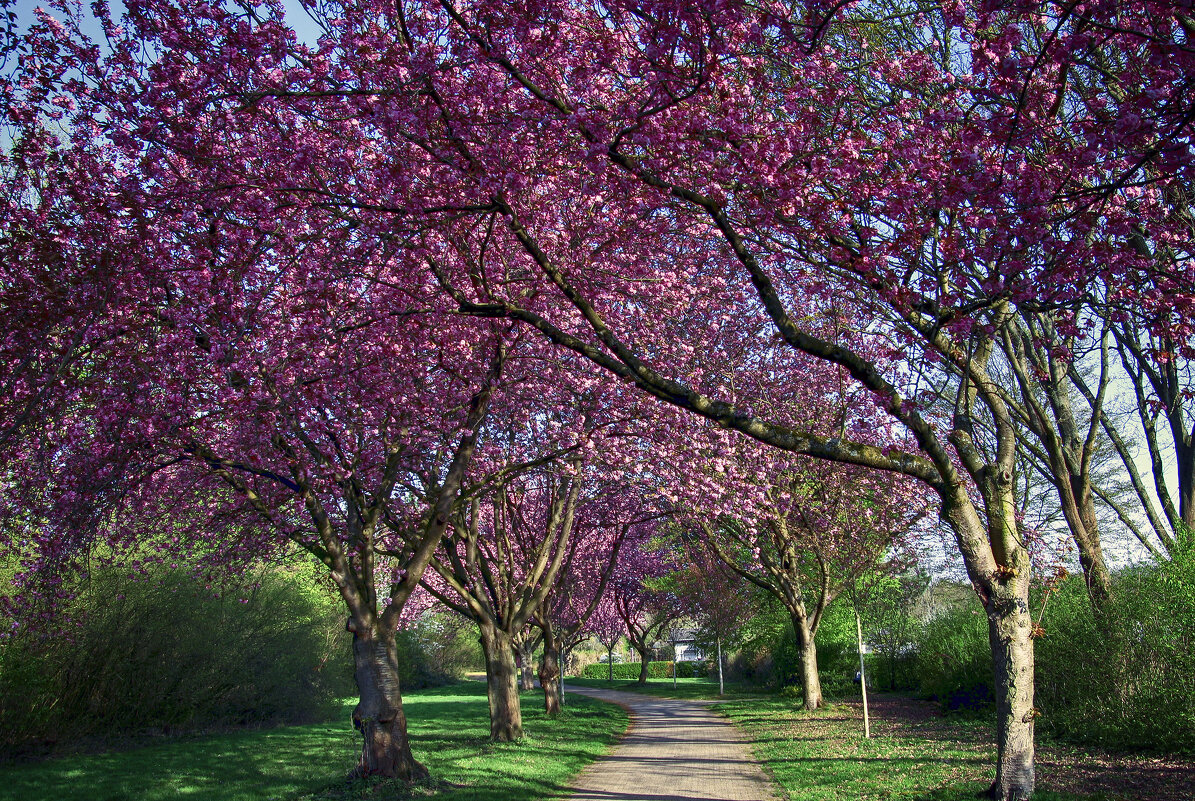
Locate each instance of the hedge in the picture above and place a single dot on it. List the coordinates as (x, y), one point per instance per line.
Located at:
(629, 671)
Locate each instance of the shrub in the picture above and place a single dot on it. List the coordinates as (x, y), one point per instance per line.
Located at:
(629, 671)
(953, 659)
(165, 652)
(1127, 679)
(437, 650)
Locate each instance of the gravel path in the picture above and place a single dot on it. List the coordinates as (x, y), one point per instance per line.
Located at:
(674, 751)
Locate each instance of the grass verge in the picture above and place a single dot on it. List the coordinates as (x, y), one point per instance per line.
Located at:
(449, 729)
(822, 755)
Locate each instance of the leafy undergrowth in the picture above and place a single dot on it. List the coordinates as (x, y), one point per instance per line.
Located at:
(696, 689)
(449, 728)
(916, 754)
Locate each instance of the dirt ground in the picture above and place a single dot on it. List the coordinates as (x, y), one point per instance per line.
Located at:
(1133, 777)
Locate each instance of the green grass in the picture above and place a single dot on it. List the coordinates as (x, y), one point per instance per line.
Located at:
(449, 729)
(696, 689)
(822, 756)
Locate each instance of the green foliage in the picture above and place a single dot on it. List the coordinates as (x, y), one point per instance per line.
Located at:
(655, 670)
(1125, 679)
(759, 639)
(886, 603)
(837, 654)
(953, 659)
(438, 650)
(1128, 677)
(163, 651)
(449, 729)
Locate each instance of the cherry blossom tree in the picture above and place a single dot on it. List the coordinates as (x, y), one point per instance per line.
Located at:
(1001, 234)
(715, 596)
(821, 527)
(608, 628)
(503, 557)
(228, 436)
(619, 511)
(629, 178)
(646, 608)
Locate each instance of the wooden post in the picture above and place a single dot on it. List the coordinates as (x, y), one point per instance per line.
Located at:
(862, 676)
(721, 687)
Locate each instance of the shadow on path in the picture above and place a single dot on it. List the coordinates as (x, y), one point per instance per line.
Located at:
(674, 751)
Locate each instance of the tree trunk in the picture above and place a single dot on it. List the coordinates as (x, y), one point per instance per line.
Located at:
(1010, 625)
(811, 684)
(721, 684)
(523, 659)
(501, 676)
(1185, 453)
(644, 664)
(1091, 554)
(549, 678)
(379, 717)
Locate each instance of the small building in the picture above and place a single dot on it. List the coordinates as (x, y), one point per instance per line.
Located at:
(684, 641)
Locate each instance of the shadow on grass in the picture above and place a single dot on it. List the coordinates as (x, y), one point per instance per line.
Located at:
(823, 755)
(449, 728)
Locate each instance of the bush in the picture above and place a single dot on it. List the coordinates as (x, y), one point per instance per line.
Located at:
(629, 671)
(168, 653)
(437, 650)
(1127, 679)
(953, 659)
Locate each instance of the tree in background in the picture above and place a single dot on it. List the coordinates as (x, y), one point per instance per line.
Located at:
(646, 607)
(607, 626)
(619, 511)
(719, 600)
(499, 565)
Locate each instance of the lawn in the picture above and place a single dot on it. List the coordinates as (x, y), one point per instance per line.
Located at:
(915, 754)
(449, 728)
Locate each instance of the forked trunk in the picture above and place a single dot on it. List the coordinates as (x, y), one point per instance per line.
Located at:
(1091, 554)
(523, 659)
(502, 684)
(811, 683)
(379, 717)
(549, 679)
(1010, 625)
